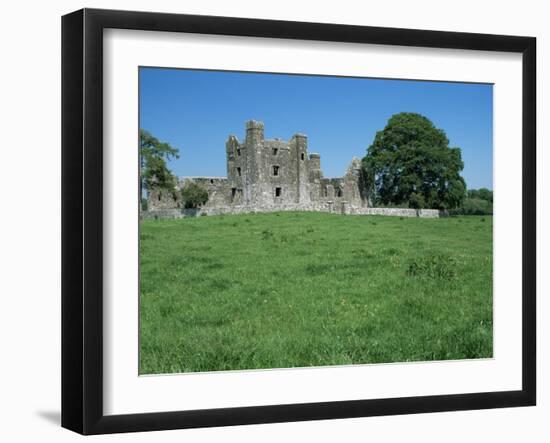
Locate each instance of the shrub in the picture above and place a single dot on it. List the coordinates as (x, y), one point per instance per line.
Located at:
(194, 195)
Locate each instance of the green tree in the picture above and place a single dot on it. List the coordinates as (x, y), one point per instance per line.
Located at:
(410, 163)
(477, 202)
(193, 195)
(477, 206)
(154, 154)
(485, 194)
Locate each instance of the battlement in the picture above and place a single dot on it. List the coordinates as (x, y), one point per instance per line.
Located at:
(253, 124)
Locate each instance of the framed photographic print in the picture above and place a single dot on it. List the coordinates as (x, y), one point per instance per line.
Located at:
(269, 221)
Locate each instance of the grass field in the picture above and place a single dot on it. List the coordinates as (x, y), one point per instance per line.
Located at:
(311, 289)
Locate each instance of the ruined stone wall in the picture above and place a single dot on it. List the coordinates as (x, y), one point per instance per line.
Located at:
(269, 172)
(315, 177)
(163, 199)
(302, 169)
(236, 170)
(277, 173)
(218, 189)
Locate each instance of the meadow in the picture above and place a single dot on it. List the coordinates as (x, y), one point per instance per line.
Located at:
(303, 289)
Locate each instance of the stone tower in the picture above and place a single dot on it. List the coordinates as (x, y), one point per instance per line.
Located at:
(254, 173)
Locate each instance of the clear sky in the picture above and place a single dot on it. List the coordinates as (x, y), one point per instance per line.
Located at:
(196, 110)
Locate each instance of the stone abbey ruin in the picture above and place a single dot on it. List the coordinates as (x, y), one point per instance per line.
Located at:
(267, 175)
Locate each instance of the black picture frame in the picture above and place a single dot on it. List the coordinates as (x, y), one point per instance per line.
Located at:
(82, 215)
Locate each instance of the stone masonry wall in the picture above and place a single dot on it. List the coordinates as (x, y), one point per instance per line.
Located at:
(329, 207)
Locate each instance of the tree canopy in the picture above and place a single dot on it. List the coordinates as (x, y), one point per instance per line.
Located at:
(477, 202)
(193, 195)
(410, 163)
(153, 157)
(482, 194)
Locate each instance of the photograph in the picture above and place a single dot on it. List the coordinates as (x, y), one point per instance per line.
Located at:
(299, 220)
(275, 221)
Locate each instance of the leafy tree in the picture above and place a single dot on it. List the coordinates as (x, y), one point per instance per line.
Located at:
(473, 206)
(477, 202)
(477, 206)
(410, 162)
(154, 154)
(482, 194)
(193, 195)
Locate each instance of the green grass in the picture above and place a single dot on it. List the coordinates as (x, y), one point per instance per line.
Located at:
(311, 289)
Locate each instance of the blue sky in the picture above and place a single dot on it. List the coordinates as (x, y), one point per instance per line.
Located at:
(196, 110)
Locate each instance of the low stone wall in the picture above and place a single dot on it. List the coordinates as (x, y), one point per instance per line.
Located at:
(400, 212)
(329, 207)
(162, 213)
